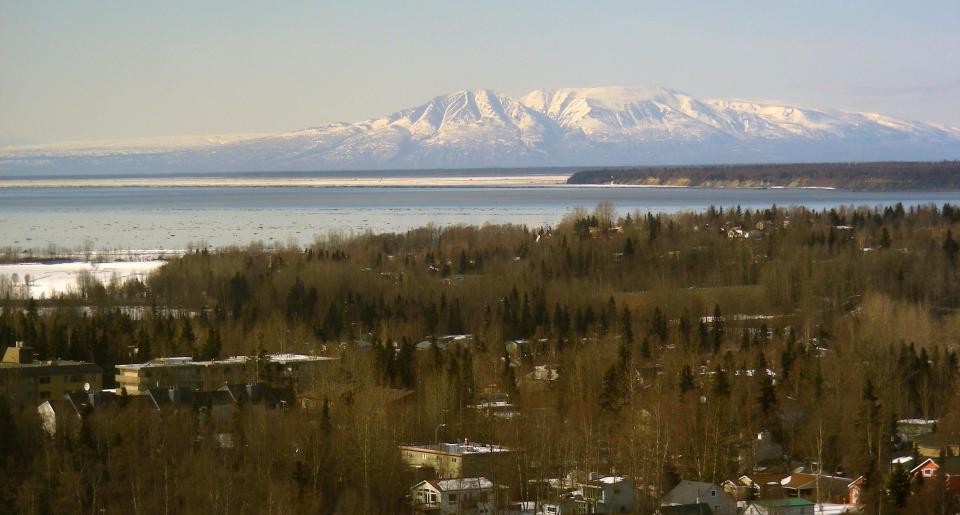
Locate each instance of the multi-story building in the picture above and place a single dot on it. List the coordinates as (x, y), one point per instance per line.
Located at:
(28, 382)
(280, 370)
(451, 460)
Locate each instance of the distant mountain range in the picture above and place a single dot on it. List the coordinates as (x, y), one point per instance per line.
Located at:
(610, 126)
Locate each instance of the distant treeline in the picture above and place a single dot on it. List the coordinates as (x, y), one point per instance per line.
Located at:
(881, 176)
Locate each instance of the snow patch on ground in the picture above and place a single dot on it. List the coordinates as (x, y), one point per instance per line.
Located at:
(39, 280)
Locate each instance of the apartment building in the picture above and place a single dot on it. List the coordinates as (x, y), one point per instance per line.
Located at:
(28, 382)
(279, 370)
(460, 459)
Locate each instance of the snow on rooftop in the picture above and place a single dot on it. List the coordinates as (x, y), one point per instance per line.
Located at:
(295, 357)
(918, 421)
(187, 360)
(463, 483)
(611, 480)
(462, 448)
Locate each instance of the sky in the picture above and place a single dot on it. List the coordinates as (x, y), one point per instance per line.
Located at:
(113, 69)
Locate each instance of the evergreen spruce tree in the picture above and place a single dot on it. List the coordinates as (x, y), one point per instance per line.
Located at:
(686, 380)
(716, 328)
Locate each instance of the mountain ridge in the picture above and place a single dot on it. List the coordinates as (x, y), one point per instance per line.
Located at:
(600, 126)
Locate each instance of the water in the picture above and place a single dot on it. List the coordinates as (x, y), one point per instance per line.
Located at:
(173, 218)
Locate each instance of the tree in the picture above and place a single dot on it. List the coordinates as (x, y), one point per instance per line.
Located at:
(716, 328)
(615, 391)
(686, 380)
(951, 247)
(188, 340)
(885, 240)
(627, 325)
(721, 382)
(212, 347)
(898, 486)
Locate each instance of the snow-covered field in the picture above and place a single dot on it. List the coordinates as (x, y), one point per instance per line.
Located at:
(46, 280)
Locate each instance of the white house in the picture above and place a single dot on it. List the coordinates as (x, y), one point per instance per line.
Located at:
(461, 496)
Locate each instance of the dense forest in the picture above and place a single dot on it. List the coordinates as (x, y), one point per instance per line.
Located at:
(661, 329)
(880, 176)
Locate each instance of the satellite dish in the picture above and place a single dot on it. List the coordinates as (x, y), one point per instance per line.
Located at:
(86, 387)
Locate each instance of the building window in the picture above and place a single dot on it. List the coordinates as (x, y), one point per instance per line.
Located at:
(713, 493)
(76, 379)
(44, 380)
(453, 499)
(44, 395)
(928, 472)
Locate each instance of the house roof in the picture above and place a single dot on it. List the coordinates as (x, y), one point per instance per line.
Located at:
(783, 503)
(49, 368)
(687, 490)
(258, 393)
(83, 401)
(922, 464)
(460, 484)
(763, 478)
(950, 465)
(803, 481)
(457, 448)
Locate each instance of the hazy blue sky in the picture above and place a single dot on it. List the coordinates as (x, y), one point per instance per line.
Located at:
(107, 69)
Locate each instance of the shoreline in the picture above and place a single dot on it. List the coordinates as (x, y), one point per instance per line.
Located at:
(500, 181)
(297, 182)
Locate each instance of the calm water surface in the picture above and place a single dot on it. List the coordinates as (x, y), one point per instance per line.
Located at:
(173, 218)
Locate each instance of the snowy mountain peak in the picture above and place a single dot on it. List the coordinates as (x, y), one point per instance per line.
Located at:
(599, 126)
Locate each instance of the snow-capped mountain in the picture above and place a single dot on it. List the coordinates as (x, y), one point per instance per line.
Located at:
(566, 127)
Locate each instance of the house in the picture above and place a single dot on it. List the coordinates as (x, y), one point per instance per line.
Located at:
(930, 445)
(458, 459)
(697, 492)
(609, 494)
(67, 415)
(817, 487)
(599, 494)
(569, 503)
(757, 485)
(28, 382)
(855, 491)
(461, 496)
(787, 506)
(932, 468)
(739, 491)
(496, 405)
